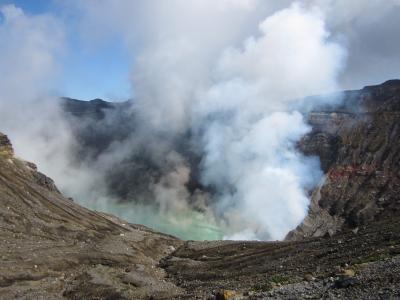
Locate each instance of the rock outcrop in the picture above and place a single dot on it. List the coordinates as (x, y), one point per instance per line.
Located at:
(6, 149)
(358, 144)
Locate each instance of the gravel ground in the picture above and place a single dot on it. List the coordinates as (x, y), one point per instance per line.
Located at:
(361, 265)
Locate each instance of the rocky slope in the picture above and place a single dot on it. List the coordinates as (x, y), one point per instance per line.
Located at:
(358, 144)
(53, 248)
(350, 265)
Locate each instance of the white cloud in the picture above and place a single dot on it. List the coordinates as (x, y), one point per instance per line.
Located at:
(31, 48)
(230, 71)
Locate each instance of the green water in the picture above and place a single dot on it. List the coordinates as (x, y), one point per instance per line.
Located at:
(187, 225)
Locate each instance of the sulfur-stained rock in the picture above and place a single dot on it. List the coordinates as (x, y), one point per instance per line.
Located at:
(6, 149)
(349, 273)
(357, 143)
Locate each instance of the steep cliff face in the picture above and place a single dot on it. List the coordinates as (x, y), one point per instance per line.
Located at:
(358, 144)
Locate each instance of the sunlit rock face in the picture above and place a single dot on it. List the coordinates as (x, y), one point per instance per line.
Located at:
(5, 146)
(70, 245)
(359, 151)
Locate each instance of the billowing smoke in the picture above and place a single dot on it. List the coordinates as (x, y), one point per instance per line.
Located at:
(30, 47)
(237, 95)
(31, 54)
(248, 125)
(219, 89)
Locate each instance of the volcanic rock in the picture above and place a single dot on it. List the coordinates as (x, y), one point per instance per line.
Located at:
(52, 248)
(6, 149)
(358, 146)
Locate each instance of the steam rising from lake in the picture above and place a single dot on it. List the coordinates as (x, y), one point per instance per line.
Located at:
(232, 73)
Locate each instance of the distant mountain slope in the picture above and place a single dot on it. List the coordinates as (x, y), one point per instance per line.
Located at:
(98, 125)
(94, 108)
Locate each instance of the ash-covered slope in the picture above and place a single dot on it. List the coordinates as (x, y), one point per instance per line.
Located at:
(53, 248)
(358, 144)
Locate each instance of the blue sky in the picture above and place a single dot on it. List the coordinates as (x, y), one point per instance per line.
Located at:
(88, 72)
(32, 6)
(96, 72)
(103, 70)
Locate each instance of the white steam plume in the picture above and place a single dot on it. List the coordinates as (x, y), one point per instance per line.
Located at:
(231, 72)
(250, 144)
(31, 49)
(198, 70)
